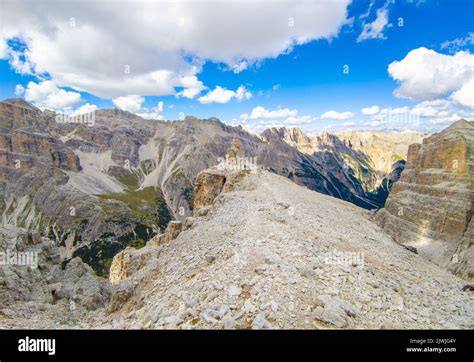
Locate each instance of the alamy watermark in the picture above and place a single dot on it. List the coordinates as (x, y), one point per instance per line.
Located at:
(397, 115)
(346, 258)
(23, 258)
(87, 118)
(237, 163)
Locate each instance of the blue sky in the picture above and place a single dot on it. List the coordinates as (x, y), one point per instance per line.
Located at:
(303, 85)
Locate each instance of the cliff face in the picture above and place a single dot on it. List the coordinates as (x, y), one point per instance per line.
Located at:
(431, 206)
(25, 145)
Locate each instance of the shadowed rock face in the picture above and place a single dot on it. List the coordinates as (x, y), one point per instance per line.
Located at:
(431, 206)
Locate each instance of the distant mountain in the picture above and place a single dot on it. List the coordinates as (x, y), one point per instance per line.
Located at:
(383, 148)
(96, 188)
(431, 206)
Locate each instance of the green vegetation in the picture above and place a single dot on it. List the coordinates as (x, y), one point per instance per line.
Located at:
(137, 243)
(188, 194)
(177, 172)
(128, 178)
(146, 205)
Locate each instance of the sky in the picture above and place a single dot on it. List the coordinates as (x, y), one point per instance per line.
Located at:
(320, 65)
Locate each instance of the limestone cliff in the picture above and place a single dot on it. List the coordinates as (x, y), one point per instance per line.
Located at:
(431, 206)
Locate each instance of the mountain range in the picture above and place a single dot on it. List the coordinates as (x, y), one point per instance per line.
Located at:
(135, 223)
(96, 189)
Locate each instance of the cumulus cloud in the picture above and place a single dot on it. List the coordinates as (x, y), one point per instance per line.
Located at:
(223, 95)
(192, 87)
(242, 94)
(134, 104)
(368, 111)
(85, 108)
(130, 103)
(261, 112)
(436, 108)
(154, 48)
(337, 115)
(261, 118)
(425, 74)
(465, 95)
(47, 94)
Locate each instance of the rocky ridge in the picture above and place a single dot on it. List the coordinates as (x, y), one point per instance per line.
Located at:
(270, 254)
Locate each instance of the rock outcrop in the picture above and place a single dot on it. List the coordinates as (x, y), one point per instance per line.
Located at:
(430, 208)
(31, 271)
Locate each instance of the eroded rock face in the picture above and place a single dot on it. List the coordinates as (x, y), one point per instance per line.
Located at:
(25, 145)
(208, 187)
(39, 277)
(119, 267)
(431, 206)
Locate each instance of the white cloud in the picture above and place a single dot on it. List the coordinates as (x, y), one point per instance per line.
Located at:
(337, 115)
(427, 75)
(240, 67)
(439, 107)
(261, 118)
(223, 95)
(19, 89)
(192, 87)
(261, 112)
(367, 13)
(218, 95)
(134, 104)
(457, 44)
(465, 95)
(85, 108)
(46, 94)
(374, 30)
(242, 94)
(153, 48)
(152, 113)
(370, 110)
(3, 48)
(131, 103)
(300, 119)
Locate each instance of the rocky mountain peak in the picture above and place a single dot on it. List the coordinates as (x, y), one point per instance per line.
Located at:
(21, 103)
